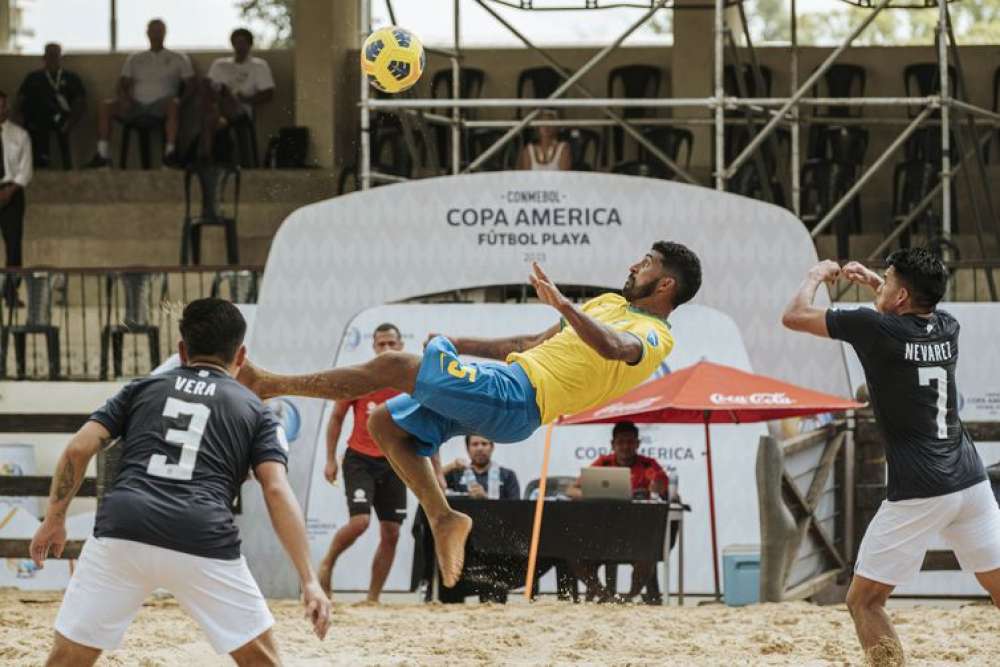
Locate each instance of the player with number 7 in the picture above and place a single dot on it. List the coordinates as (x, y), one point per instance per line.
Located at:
(937, 485)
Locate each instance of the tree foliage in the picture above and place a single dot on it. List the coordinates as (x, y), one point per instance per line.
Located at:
(273, 17)
(974, 21)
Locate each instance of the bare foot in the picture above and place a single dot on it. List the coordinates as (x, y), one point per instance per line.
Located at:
(450, 534)
(325, 575)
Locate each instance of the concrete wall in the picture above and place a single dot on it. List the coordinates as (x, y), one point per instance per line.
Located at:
(100, 72)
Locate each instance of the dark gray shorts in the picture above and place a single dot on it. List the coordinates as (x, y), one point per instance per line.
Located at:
(156, 109)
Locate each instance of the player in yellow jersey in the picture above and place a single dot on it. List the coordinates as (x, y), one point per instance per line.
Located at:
(596, 353)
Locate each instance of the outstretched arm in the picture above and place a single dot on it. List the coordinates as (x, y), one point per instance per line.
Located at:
(286, 517)
(607, 342)
(800, 313)
(72, 465)
(499, 348)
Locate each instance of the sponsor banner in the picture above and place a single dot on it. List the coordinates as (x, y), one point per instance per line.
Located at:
(701, 333)
(333, 259)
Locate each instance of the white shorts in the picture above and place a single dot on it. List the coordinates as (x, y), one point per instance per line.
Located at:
(897, 539)
(114, 577)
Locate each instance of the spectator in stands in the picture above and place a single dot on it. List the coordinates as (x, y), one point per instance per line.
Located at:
(50, 99)
(236, 85)
(480, 477)
(149, 86)
(648, 480)
(15, 174)
(547, 152)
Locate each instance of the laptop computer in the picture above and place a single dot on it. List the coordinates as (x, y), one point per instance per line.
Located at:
(612, 483)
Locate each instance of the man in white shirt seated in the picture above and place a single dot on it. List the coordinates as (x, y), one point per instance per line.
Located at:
(148, 87)
(236, 85)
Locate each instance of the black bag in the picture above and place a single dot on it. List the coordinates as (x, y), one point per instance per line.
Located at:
(288, 149)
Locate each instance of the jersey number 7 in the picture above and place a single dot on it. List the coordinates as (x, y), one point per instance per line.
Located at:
(189, 440)
(940, 376)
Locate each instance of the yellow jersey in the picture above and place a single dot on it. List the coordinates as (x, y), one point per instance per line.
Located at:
(570, 376)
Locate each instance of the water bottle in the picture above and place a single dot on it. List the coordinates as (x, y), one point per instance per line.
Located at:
(672, 480)
(468, 478)
(493, 492)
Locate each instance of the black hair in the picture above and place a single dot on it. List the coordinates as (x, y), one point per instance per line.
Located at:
(624, 427)
(683, 264)
(212, 328)
(3, 94)
(241, 31)
(470, 435)
(387, 326)
(922, 273)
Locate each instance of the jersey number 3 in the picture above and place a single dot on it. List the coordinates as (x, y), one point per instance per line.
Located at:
(189, 440)
(940, 376)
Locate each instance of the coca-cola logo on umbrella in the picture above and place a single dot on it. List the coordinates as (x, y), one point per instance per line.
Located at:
(775, 398)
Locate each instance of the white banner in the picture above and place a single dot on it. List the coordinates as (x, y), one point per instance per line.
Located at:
(333, 259)
(701, 333)
(978, 379)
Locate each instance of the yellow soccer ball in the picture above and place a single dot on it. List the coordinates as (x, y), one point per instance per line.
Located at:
(393, 59)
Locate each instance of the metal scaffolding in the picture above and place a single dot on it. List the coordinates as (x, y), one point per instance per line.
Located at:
(762, 116)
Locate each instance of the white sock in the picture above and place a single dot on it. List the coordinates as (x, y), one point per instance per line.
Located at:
(170, 148)
(102, 148)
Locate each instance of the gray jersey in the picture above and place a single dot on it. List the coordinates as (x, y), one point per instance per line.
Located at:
(909, 364)
(190, 436)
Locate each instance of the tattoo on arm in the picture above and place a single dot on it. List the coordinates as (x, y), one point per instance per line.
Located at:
(65, 481)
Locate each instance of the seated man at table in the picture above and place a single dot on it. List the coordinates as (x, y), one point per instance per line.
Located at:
(649, 480)
(480, 477)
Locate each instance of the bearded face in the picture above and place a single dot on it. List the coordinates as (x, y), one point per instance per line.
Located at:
(634, 289)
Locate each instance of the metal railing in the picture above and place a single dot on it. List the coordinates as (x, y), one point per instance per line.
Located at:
(961, 126)
(103, 323)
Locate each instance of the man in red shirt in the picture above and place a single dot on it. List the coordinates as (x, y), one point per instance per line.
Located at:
(649, 480)
(369, 479)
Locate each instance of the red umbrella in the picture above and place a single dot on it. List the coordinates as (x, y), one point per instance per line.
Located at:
(706, 393)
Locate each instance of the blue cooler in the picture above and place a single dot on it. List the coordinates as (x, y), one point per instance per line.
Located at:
(741, 574)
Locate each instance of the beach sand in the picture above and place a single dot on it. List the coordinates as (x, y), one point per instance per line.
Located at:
(544, 633)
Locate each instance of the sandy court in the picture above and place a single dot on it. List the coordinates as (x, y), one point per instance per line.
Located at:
(546, 633)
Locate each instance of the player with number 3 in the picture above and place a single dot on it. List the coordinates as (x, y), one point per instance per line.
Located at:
(189, 436)
(937, 485)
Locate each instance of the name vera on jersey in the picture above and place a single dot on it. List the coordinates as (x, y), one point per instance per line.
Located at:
(928, 351)
(194, 387)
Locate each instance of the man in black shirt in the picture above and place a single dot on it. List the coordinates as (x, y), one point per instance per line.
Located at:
(190, 437)
(477, 475)
(51, 99)
(937, 485)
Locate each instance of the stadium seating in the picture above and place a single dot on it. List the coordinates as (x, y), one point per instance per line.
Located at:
(471, 82)
(632, 81)
(37, 321)
(212, 180)
(673, 141)
(131, 313)
(838, 153)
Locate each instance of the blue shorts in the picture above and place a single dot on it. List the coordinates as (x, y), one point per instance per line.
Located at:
(452, 398)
